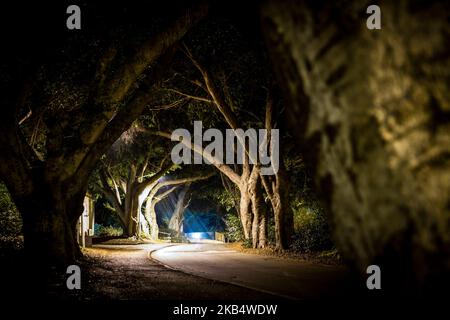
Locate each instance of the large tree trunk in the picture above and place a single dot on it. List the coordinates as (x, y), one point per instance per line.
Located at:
(371, 108)
(49, 219)
(176, 220)
(48, 234)
(259, 227)
(131, 202)
(245, 210)
(277, 188)
(150, 212)
(150, 217)
(132, 214)
(245, 203)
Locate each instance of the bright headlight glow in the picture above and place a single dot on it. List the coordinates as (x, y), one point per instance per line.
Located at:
(197, 235)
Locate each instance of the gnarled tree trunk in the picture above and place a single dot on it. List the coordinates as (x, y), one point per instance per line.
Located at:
(49, 219)
(245, 203)
(150, 217)
(259, 223)
(371, 108)
(277, 189)
(176, 220)
(150, 212)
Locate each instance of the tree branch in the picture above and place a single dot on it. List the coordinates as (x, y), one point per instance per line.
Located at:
(120, 122)
(97, 135)
(223, 107)
(225, 169)
(119, 84)
(163, 195)
(190, 96)
(175, 182)
(30, 112)
(115, 186)
(182, 102)
(144, 184)
(111, 197)
(143, 168)
(181, 181)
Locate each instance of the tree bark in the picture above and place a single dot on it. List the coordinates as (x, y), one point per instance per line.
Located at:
(150, 217)
(245, 203)
(371, 114)
(277, 189)
(132, 213)
(49, 225)
(176, 220)
(150, 212)
(259, 227)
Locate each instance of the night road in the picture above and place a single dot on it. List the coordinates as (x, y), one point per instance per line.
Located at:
(292, 279)
(206, 271)
(125, 272)
(206, 268)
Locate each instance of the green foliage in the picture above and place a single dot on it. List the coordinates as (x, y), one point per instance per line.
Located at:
(226, 200)
(247, 244)
(311, 230)
(107, 231)
(104, 214)
(234, 231)
(10, 219)
(271, 230)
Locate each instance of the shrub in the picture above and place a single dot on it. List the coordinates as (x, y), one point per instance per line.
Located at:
(247, 244)
(107, 231)
(271, 234)
(179, 239)
(234, 231)
(10, 219)
(311, 231)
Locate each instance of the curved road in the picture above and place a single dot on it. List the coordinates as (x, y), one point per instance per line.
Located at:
(125, 272)
(293, 279)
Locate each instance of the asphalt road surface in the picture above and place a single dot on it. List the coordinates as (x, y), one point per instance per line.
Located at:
(126, 272)
(292, 279)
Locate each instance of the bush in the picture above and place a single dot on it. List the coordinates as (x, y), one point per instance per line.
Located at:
(234, 231)
(271, 232)
(107, 231)
(10, 219)
(311, 231)
(247, 244)
(179, 239)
